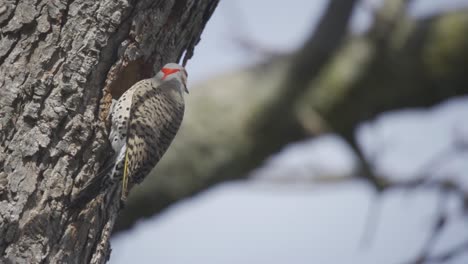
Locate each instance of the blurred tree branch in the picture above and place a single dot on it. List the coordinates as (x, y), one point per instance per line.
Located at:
(236, 121)
(448, 186)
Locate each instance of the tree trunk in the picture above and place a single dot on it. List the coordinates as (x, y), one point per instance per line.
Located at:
(400, 62)
(61, 61)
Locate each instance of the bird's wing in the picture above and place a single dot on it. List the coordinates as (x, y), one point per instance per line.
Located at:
(155, 117)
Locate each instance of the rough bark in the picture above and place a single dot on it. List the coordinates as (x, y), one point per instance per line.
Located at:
(60, 63)
(401, 62)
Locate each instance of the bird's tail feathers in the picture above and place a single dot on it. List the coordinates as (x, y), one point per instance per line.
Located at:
(101, 181)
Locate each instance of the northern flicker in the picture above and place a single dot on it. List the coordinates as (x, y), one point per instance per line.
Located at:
(144, 121)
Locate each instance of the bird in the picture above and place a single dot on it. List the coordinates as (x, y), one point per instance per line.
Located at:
(143, 123)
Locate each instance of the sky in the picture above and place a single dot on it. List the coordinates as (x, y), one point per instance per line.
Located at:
(267, 221)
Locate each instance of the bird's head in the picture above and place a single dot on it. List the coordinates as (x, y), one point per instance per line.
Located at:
(173, 71)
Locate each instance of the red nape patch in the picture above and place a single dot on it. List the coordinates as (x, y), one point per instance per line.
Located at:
(168, 72)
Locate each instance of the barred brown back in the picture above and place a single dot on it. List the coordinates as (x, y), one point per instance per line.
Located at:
(155, 118)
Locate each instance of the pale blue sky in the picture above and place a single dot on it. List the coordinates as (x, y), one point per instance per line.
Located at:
(262, 221)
